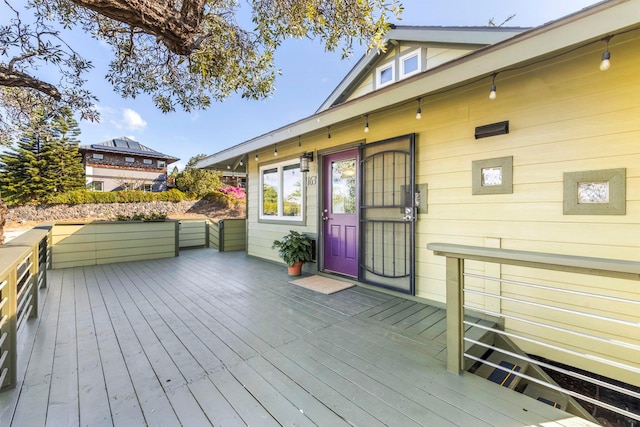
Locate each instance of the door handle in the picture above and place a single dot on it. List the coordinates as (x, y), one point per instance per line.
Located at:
(325, 215)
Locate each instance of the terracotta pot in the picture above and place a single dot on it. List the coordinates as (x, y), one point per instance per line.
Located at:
(295, 269)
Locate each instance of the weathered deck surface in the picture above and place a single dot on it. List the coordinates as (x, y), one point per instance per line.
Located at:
(220, 339)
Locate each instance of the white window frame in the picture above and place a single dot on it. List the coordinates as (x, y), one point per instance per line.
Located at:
(280, 217)
(129, 159)
(147, 188)
(147, 161)
(161, 164)
(92, 186)
(403, 58)
(380, 69)
(97, 156)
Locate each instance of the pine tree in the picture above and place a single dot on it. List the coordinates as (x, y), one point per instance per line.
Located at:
(21, 180)
(64, 161)
(45, 160)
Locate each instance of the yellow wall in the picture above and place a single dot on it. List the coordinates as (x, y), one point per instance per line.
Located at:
(565, 115)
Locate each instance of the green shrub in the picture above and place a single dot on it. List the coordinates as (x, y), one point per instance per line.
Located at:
(79, 197)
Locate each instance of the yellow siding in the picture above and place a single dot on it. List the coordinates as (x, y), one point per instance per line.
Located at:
(192, 233)
(102, 243)
(565, 115)
(438, 56)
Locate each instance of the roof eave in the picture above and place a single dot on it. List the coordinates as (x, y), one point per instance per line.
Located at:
(589, 24)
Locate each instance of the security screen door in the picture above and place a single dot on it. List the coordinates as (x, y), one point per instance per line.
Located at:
(388, 214)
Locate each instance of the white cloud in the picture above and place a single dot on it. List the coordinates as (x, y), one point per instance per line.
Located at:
(130, 120)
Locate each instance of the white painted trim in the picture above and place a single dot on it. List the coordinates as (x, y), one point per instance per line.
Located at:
(415, 52)
(380, 69)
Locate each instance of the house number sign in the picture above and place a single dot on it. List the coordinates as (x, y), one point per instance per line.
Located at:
(312, 180)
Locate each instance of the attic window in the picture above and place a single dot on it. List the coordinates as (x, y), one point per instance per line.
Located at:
(147, 161)
(385, 74)
(410, 63)
(97, 156)
(162, 164)
(129, 159)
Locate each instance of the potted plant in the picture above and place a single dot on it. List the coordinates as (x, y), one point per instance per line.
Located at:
(295, 250)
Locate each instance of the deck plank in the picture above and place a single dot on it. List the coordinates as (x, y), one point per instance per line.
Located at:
(183, 342)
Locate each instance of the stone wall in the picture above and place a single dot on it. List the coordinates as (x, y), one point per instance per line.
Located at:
(102, 210)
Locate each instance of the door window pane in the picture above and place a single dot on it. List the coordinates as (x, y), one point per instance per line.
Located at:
(343, 186)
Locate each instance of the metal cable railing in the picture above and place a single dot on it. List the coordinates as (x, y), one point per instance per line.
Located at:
(599, 333)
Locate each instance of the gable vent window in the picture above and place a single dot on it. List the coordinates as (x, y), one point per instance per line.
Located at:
(385, 75)
(129, 159)
(410, 63)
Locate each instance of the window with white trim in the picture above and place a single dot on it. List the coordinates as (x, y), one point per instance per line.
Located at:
(129, 159)
(162, 164)
(147, 161)
(385, 74)
(97, 156)
(282, 193)
(410, 63)
(95, 186)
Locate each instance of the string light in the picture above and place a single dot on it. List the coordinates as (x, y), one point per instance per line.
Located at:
(256, 156)
(492, 94)
(242, 162)
(366, 124)
(228, 166)
(328, 132)
(605, 64)
(275, 150)
(299, 143)
(419, 110)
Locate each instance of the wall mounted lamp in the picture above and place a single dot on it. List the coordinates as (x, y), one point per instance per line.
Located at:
(305, 158)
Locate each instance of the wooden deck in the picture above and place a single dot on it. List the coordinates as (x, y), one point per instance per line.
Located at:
(220, 339)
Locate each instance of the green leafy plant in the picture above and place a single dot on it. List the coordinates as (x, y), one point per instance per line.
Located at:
(293, 247)
(153, 216)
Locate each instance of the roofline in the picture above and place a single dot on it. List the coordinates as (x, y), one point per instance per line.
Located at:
(478, 36)
(590, 23)
(154, 154)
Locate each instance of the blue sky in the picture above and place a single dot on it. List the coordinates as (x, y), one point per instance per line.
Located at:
(309, 74)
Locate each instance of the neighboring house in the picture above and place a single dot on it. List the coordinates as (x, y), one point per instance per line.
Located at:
(125, 164)
(410, 149)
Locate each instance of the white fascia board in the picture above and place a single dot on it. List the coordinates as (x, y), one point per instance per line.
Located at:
(592, 23)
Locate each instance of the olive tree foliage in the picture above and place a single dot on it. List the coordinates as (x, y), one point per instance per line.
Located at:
(185, 54)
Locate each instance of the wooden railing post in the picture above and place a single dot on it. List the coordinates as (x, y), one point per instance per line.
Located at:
(9, 331)
(455, 315)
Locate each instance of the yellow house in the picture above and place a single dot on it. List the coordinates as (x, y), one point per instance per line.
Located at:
(501, 138)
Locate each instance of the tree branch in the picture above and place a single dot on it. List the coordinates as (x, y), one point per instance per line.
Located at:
(177, 29)
(12, 78)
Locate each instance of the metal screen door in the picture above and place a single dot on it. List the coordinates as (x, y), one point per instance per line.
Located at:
(388, 214)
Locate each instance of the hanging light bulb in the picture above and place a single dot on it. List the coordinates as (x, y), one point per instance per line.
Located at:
(419, 110)
(299, 143)
(275, 150)
(492, 94)
(366, 124)
(228, 166)
(256, 156)
(605, 64)
(328, 132)
(241, 162)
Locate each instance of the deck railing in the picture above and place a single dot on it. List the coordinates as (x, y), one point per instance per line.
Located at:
(575, 316)
(23, 265)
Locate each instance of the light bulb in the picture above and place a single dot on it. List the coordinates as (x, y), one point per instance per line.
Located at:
(366, 128)
(256, 157)
(605, 64)
(419, 114)
(492, 94)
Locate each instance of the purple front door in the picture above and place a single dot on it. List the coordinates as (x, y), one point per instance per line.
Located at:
(340, 213)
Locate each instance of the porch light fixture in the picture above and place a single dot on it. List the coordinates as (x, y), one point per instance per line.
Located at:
(366, 124)
(419, 110)
(605, 64)
(275, 150)
(305, 158)
(492, 94)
